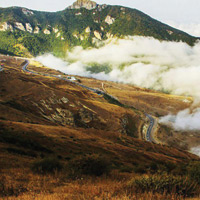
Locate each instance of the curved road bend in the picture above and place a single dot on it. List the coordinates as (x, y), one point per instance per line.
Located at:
(149, 137)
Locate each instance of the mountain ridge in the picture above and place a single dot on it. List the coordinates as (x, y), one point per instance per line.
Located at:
(78, 24)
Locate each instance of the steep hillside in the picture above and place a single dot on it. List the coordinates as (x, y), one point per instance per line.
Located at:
(43, 117)
(24, 31)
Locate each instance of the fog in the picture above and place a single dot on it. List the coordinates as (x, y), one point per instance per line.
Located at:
(172, 67)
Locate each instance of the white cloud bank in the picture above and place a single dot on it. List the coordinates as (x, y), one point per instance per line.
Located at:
(145, 62)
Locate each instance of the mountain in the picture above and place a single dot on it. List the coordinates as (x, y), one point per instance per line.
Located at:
(26, 32)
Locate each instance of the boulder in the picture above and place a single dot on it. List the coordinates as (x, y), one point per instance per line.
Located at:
(83, 4)
(109, 20)
(29, 27)
(97, 35)
(20, 26)
(6, 27)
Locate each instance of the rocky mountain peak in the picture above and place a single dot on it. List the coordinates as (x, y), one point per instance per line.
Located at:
(83, 4)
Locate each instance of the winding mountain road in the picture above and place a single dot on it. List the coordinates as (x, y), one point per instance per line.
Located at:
(149, 133)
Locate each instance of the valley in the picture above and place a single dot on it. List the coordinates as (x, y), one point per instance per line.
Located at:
(97, 102)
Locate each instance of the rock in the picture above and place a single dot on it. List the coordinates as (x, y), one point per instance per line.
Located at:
(109, 20)
(109, 35)
(85, 115)
(75, 35)
(19, 26)
(170, 32)
(55, 30)
(101, 7)
(47, 32)
(77, 14)
(36, 30)
(83, 4)
(27, 12)
(58, 34)
(29, 28)
(97, 35)
(88, 30)
(63, 116)
(81, 38)
(6, 27)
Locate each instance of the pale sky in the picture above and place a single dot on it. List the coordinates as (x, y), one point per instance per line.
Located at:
(179, 11)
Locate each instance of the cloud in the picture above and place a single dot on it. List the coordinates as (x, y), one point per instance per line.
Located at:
(185, 120)
(190, 28)
(142, 61)
(196, 150)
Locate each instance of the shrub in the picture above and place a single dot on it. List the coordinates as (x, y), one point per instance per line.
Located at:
(93, 165)
(194, 171)
(168, 184)
(47, 165)
(9, 189)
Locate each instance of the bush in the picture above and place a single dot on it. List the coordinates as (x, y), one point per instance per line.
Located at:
(47, 165)
(93, 165)
(194, 171)
(167, 184)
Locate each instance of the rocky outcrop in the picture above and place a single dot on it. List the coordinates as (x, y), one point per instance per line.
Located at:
(20, 26)
(58, 34)
(36, 30)
(29, 28)
(83, 4)
(101, 7)
(109, 35)
(79, 13)
(109, 20)
(63, 116)
(55, 30)
(46, 31)
(6, 27)
(97, 35)
(88, 30)
(27, 12)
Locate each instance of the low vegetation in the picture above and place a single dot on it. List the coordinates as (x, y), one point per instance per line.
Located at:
(93, 165)
(47, 165)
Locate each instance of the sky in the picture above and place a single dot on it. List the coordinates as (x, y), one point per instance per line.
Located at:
(179, 11)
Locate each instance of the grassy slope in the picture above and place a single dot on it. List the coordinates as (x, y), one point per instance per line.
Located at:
(26, 135)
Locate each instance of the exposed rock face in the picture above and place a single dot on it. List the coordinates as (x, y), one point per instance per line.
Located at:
(29, 28)
(83, 4)
(109, 35)
(109, 20)
(46, 31)
(101, 7)
(81, 38)
(27, 12)
(170, 32)
(58, 35)
(87, 30)
(19, 26)
(102, 28)
(6, 27)
(55, 30)
(36, 30)
(97, 35)
(79, 13)
(63, 116)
